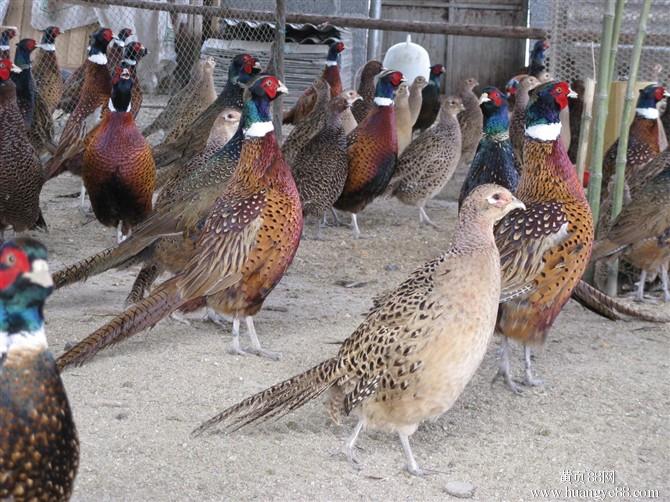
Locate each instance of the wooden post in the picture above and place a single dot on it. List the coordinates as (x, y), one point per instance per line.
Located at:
(596, 170)
(278, 56)
(622, 150)
(585, 128)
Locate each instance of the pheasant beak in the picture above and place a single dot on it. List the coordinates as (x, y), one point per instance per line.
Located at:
(282, 89)
(666, 94)
(484, 98)
(516, 204)
(257, 66)
(40, 275)
(125, 74)
(16, 69)
(572, 94)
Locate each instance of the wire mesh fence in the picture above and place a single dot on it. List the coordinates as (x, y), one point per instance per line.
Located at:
(575, 29)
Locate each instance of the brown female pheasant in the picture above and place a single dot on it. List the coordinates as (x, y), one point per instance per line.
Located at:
(545, 248)
(366, 89)
(244, 242)
(46, 70)
(21, 176)
(415, 352)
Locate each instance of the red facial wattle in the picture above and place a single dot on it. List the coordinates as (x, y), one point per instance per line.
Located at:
(560, 93)
(5, 69)
(495, 97)
(271, 85)
(339, 47)
(395, 78)
(107, 35)
(13, 263)
(659, 93)
(438, 69)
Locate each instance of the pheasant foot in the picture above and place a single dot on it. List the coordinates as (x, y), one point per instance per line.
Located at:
(354, 226)
(179, 317)
(529, 380)
(504, 368)
(412, 467)
(423, 218)
(349, 447)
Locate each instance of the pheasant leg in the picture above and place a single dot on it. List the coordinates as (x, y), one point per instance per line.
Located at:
(639, 297)
(235, 348)
(412, 467)
(82, 199)
(349, 446)
(144, 280)
(423, 218)
(354, 226)
(664, 282)
(256, 344)
(529, 380)
(504, 367)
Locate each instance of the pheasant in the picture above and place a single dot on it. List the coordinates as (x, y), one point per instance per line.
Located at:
(5, 37)
(189, 102)
(39, 447)
(331, 74)
(74, 83)
(641, 231)
(544, 249)
(366, 89)
(403, 118)
(517, 128)
(244, 242)
(429, 161)
(348, 120)
(119, 170)
(21, 176)
(133, 54)
(471, 121)
(320, 168)
(94, 95)
(538, 55)
(416, 97)
(46, 70)
(224, 128)
(416, 350)
(117, 48)
(430, 99)
(494, 161)
(576, 111)
(242, 70)
(307, 128)
(372, 151)
(23, 80)
(642, 137)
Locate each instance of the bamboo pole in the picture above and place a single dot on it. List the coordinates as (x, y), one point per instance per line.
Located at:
(585, 128)
(440, 28)
(616, 30)
(596, 168)
(622, 149)
(278, 60)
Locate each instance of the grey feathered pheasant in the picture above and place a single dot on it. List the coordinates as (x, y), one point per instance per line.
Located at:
(471, 121)
(418, 347)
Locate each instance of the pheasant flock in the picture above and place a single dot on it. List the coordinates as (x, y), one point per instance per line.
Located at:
(222, 207)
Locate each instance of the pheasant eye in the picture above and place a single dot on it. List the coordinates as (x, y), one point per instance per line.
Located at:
(10, 259)
(496, 196)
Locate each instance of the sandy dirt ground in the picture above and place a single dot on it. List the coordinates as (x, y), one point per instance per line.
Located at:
(605, 406)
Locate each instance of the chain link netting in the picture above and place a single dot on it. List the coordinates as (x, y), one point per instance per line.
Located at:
(575, 30)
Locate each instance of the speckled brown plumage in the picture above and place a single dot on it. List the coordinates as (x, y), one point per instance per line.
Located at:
(471, 121)
(412, 356)
(21, 176)
(320, 168)
(185, 106)
(245, 241)
(545, 249)
(46, 71)
(119, 170)
(311, 124)
(430, 160)
(366, 89)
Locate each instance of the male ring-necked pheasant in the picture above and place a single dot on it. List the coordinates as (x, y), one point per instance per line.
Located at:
(331, 74)
(119, 171)
(545, 248)
(430, 99)
(24, 81)
(494, 161)
(372, 150)
(5, 37)
(245, 241)
(93, 96)
(39, 447)
(416, 350)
